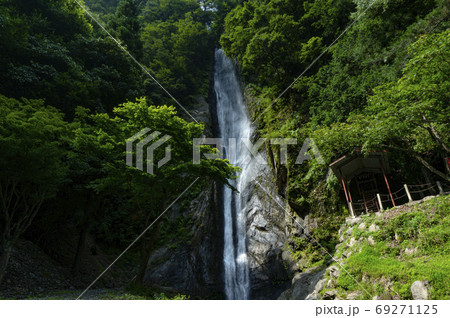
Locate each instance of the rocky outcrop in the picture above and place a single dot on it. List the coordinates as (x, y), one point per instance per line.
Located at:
(193, 266)
(269, 263)
(306, 285)
(420, 290)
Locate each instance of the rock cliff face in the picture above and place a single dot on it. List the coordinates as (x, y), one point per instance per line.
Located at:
(194, 266)
(267, 234)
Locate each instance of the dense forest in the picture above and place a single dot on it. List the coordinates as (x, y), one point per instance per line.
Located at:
(384, 85)
(78, 78)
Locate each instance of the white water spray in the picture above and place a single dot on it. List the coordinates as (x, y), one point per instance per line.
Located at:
(234, 123)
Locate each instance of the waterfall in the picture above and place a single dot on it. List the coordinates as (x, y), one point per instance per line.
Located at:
(234, 123)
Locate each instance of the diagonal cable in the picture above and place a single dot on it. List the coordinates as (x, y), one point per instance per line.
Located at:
(313, 238)
(137, 239)
(315, 60)
(133, 58)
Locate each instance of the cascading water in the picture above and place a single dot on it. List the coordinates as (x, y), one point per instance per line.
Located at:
(234, 127)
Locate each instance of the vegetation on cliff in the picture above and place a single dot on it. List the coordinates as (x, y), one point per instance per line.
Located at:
(70, 97)
(381, 85)
(386, 253)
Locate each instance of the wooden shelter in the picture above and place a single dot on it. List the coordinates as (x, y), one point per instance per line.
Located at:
(364, 173)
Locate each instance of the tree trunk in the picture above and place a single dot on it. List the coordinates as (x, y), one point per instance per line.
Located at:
(431, 168)
(422, 161)
(5, 253)
(435, 135)
(80, 248)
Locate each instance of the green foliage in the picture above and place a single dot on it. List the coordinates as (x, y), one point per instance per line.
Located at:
(32, 167)
(177, 50)
(412, 112)
(126, 26)
(30, 135)
(103, 7)
(49, 51)
(424, 227)
(383, 85)
(308, 253)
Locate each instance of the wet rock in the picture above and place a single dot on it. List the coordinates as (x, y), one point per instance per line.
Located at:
(304, 284)
(331, 283)
(268, 259)
(190, 266)
(286, 295)
(320, 285)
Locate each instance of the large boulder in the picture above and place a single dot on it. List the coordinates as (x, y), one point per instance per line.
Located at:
(304, 285)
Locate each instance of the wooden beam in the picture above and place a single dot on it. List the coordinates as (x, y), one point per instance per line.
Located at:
(349, 193)
(387, 183)
(343, 185)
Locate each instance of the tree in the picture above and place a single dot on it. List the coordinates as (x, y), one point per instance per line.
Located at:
(179, 54)
(358, 66)
(149, 194)
(32, 167)
(90, 149)
(49, 51)
(127, 28)
(412, 114)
